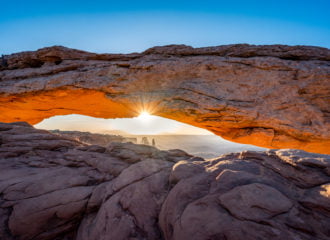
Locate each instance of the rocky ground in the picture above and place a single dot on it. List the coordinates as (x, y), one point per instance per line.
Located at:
(56, 188)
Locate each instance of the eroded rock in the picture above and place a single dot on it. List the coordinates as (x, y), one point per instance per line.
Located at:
(271, 96)
(255, 201)
(248, 196)
(56, 188)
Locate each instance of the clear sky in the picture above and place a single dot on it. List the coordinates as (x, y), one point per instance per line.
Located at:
(133, 26)
(129, 26)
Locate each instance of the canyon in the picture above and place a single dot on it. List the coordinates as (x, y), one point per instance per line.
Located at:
(93, 138)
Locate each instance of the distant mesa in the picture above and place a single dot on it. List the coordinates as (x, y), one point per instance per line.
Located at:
(94, 138)
(145, 141)
(103, 139)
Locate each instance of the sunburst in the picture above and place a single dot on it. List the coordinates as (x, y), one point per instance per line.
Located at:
(144, 116)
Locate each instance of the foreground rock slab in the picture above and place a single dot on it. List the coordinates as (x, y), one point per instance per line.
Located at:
(272, 96)
(57, 188)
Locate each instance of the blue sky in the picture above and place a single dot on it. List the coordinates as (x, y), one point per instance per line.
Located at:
(133, 26)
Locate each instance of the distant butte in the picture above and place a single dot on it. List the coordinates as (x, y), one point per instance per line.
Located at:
(272, 96)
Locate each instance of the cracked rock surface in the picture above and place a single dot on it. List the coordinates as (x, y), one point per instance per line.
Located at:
(273, 96)
(57, 188)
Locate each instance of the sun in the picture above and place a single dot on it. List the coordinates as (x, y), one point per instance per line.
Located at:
(144, 116)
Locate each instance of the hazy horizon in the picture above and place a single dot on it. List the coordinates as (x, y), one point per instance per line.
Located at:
(205, 146)
(150, 125)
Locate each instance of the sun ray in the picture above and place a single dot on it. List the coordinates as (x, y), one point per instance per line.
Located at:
(144, 116)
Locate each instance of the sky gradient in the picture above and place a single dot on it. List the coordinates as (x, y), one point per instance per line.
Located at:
(133, 26)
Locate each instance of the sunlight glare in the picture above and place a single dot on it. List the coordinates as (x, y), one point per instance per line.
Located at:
(144, 116)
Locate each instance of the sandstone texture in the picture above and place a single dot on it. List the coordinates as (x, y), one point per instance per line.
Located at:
(272, 96)
(58, 188)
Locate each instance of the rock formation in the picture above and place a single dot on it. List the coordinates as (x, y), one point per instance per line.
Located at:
(145, 141)
(270, 96)
(57, 188)
(94, 138)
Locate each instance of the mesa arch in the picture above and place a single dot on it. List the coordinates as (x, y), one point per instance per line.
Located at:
(271, 96)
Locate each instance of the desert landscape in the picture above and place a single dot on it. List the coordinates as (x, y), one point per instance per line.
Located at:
(56, 186)
(205, 146)
(207, 122)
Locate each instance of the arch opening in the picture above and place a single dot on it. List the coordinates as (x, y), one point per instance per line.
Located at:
(35, 107)
(165, 134)
(247, 94)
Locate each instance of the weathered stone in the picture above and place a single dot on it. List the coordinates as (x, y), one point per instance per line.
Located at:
(255, 202)
(248, 196)
(271, 96)
(56, 188)
(53, 187)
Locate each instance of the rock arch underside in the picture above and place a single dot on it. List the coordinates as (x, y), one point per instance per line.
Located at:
(270, 96)
(57, 188)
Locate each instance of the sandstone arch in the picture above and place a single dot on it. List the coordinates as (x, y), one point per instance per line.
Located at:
(270, 96)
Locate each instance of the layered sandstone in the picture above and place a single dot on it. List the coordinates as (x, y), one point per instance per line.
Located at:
(57, 188)
(270, 96)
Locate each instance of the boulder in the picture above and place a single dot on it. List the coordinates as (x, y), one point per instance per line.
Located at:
(53, 187)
